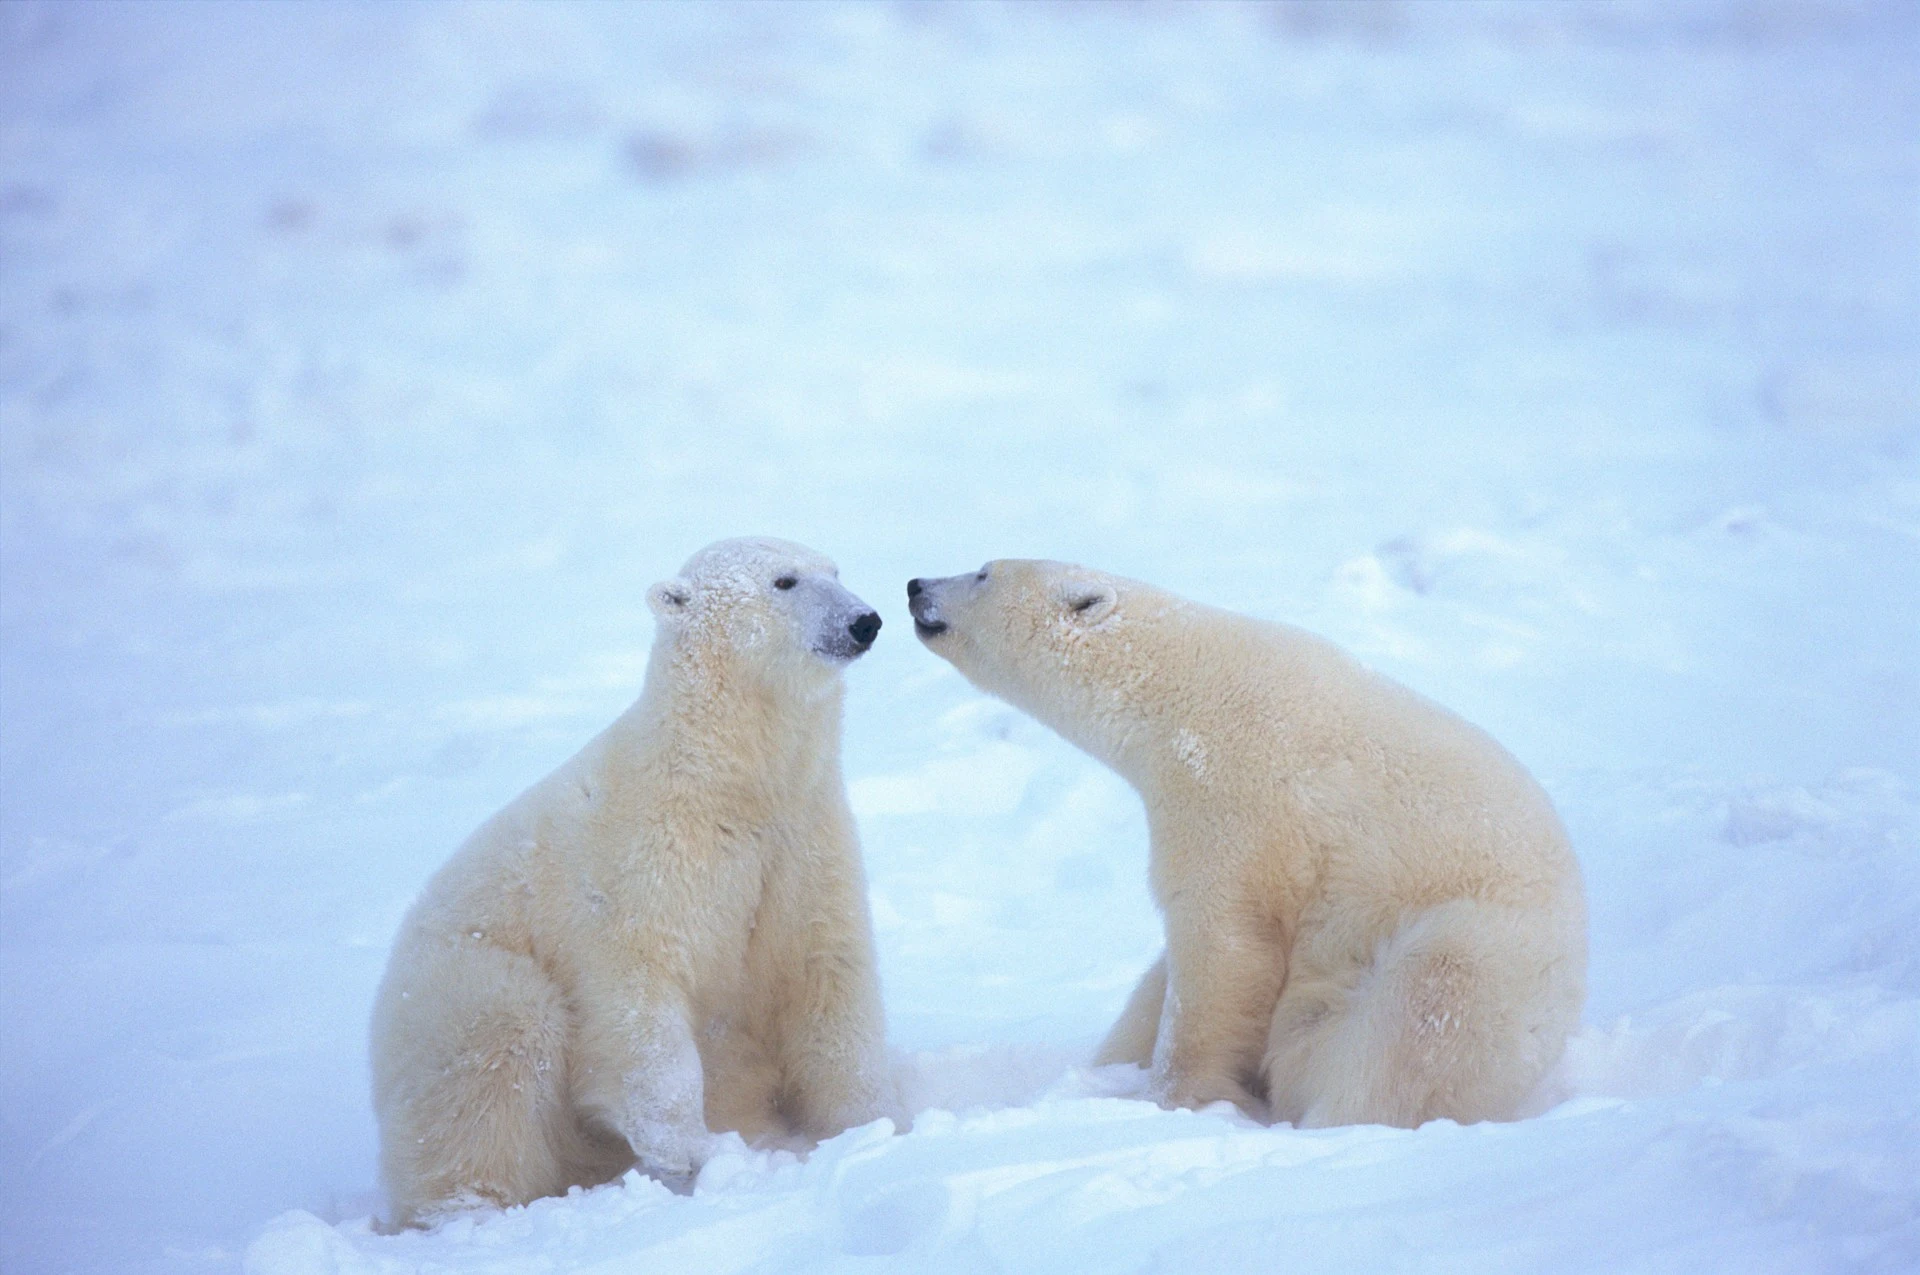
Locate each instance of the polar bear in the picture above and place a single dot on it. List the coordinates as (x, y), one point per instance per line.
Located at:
(1372, 912)
(664, 939)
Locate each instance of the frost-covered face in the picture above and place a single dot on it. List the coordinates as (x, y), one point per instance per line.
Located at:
(1027, 631)
(777, 602)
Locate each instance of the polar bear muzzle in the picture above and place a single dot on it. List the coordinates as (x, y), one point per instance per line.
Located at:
(843, 626)
(923, 600)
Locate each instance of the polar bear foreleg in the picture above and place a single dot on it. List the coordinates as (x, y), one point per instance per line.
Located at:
(829, 1025)
(743, 1090)
(1225, 969)
(1132, 1036)
(641, 1077)
(835, 1058)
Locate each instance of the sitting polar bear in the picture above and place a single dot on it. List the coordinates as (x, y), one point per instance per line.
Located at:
(1372, 912)
(666, 936)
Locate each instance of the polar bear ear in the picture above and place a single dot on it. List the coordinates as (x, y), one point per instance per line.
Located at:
(669, 598)
(1088, 601)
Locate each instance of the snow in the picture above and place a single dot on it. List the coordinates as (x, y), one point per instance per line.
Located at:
(362, 365)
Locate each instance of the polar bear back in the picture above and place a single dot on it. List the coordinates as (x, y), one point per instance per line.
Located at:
(1275, 726)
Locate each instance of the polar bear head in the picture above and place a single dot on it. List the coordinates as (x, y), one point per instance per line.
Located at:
(771, 604)
(1068, 644)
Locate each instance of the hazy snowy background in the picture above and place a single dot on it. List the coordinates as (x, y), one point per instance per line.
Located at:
(361, 365)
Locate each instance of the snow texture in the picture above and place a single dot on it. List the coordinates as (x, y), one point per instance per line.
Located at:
(362, 365)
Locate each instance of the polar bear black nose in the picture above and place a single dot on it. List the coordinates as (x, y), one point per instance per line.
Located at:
(913, 587)
(864, 628)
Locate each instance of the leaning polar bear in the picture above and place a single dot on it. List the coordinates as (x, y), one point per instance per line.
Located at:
(1372, 912)
(665, 937)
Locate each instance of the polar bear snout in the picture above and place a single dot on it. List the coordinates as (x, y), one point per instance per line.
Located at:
(840, 626)
(923, 602)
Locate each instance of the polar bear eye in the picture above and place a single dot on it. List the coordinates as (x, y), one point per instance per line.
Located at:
(1085, 603)
(785, 582)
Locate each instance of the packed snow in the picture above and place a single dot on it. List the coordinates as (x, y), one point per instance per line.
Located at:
(362, 365)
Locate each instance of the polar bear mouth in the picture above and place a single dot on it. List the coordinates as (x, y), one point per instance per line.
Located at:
(926, 617)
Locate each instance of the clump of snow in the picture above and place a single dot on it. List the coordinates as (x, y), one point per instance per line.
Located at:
(360, 368)
(1191, 749)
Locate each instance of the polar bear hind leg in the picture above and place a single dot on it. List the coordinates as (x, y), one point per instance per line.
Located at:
(1457, 1014)
(471, 1082)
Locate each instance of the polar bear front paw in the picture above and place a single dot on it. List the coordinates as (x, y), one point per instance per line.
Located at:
(674, 1154)
(1194, 1092)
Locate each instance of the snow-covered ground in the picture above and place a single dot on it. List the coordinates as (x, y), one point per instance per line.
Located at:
(361, 365)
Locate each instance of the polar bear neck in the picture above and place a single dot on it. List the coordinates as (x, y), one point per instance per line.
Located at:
(1146, 699)
(712, 719)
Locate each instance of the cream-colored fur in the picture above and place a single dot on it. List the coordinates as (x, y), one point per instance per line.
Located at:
(665, 938)
(1372, 911)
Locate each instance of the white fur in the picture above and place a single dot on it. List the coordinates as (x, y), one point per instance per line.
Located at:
(1372, 911)
(665, 938)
